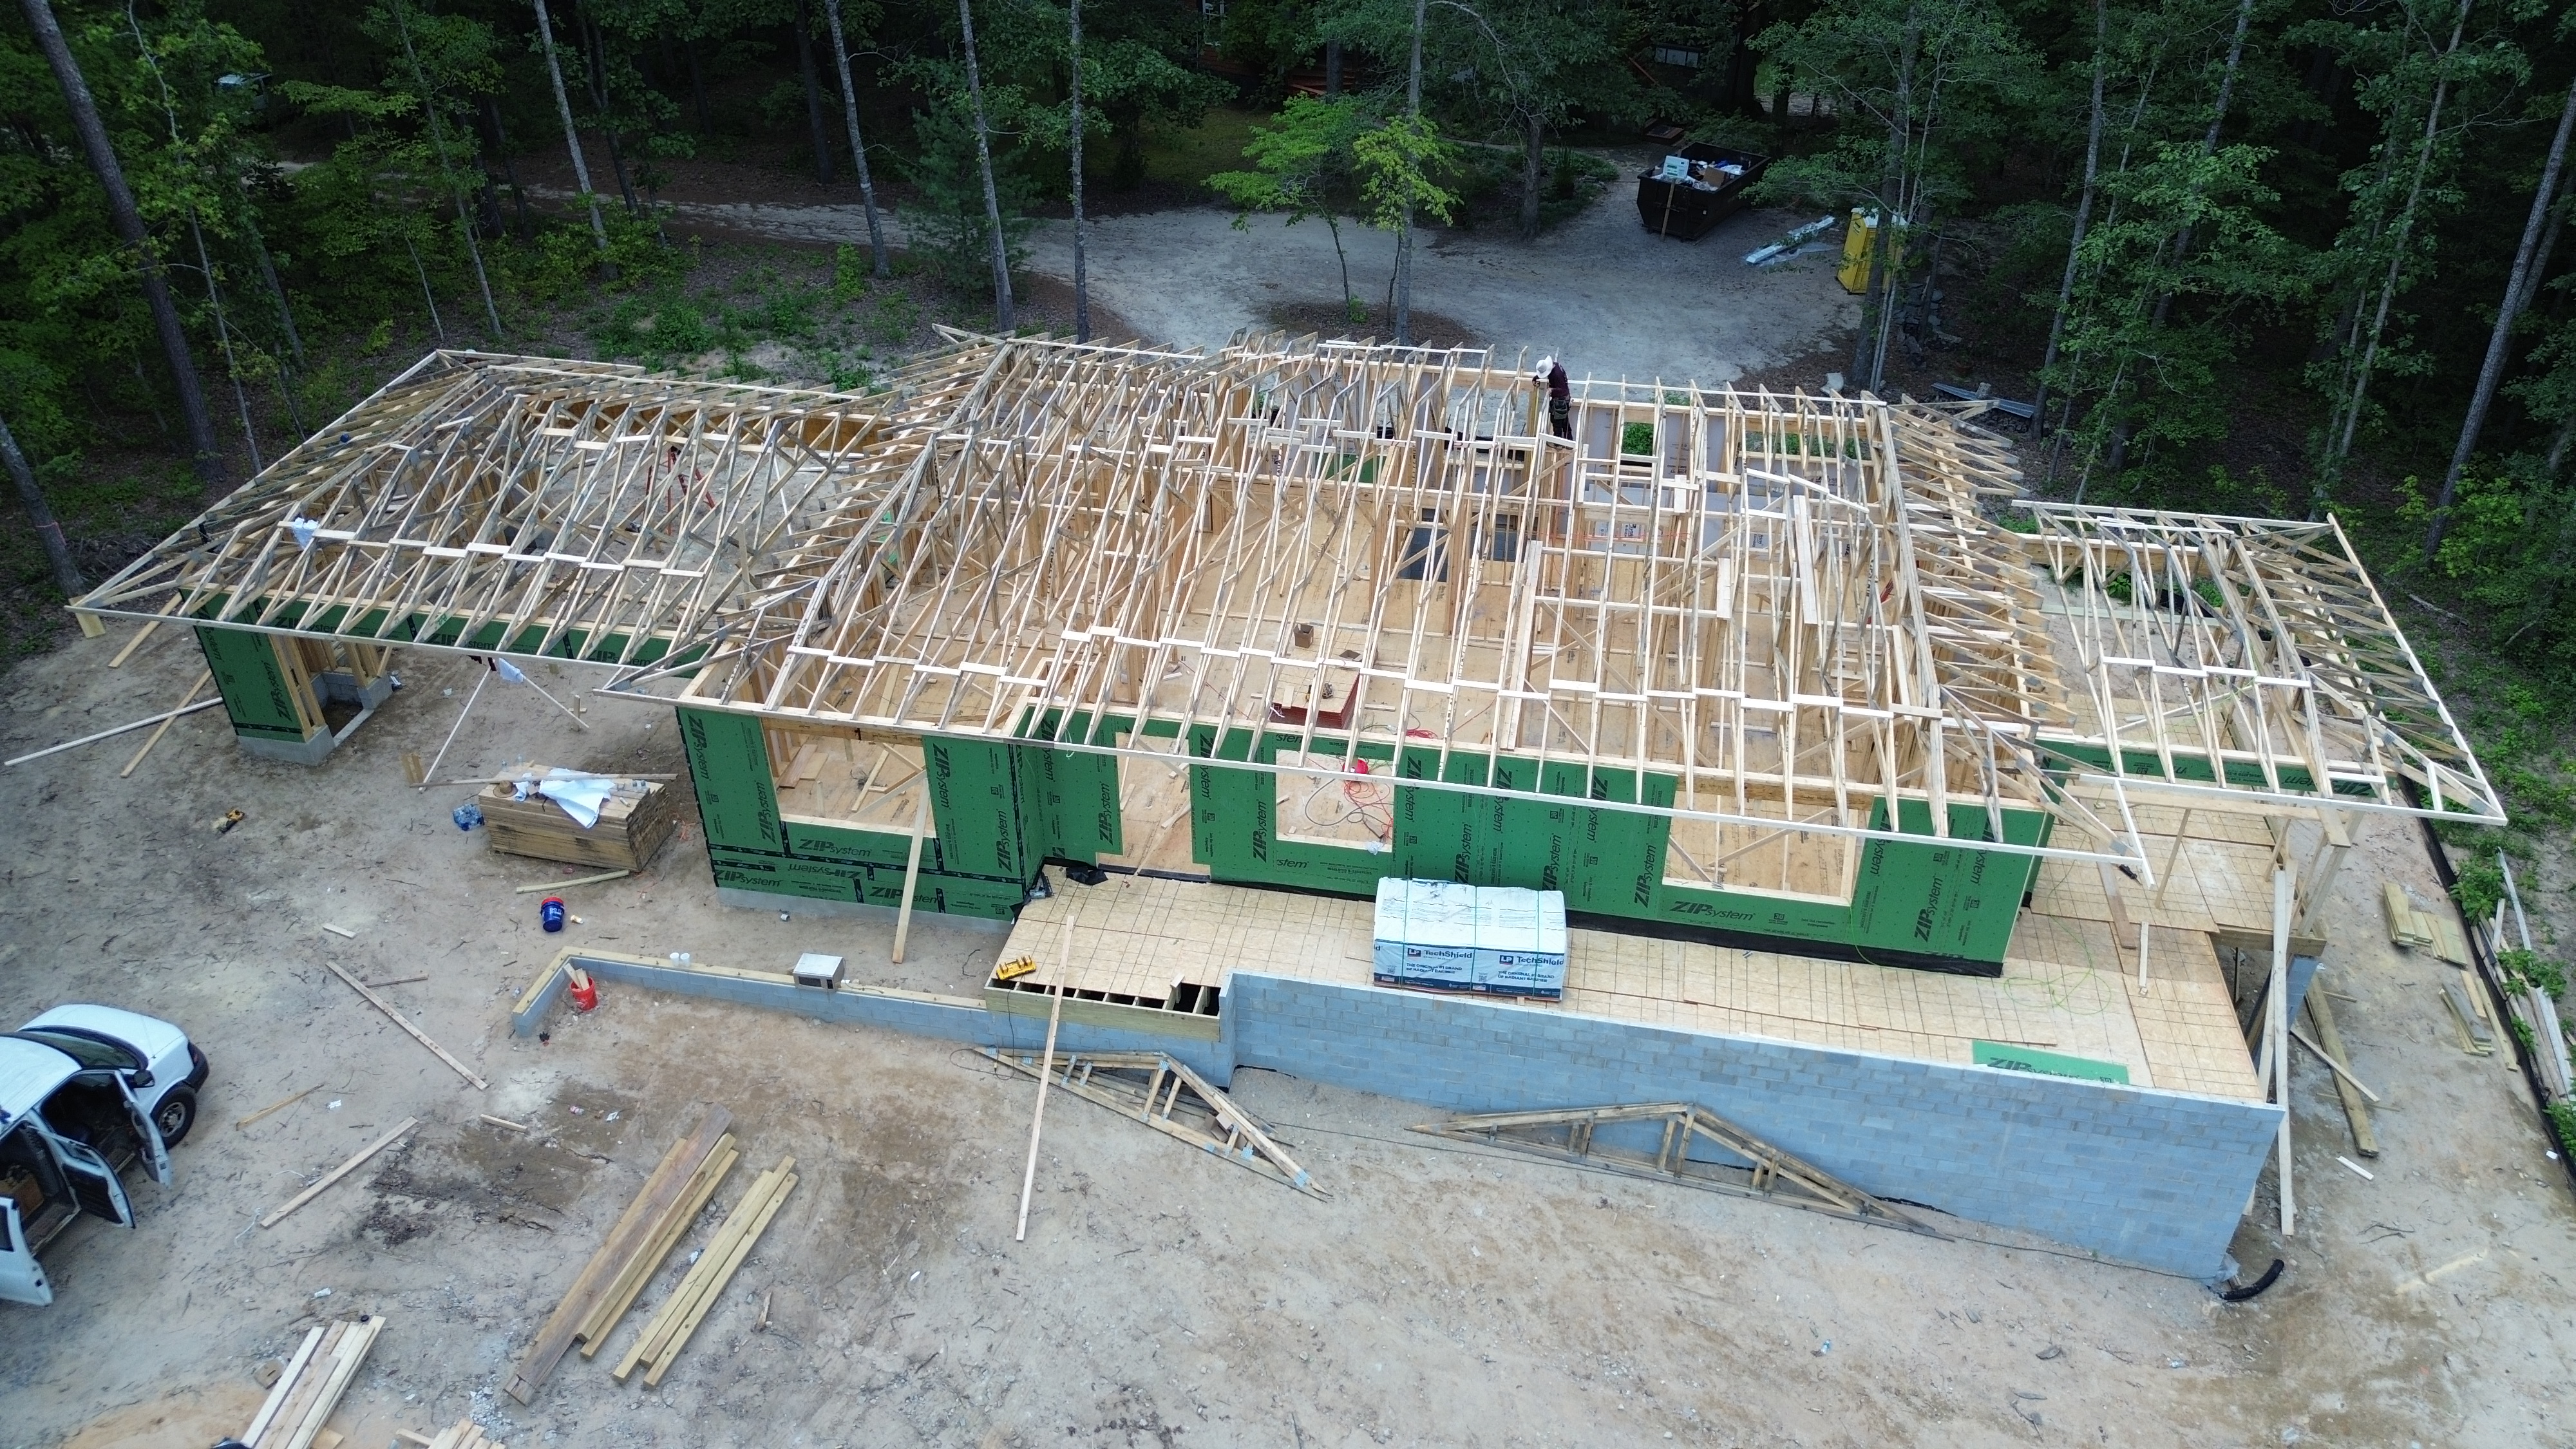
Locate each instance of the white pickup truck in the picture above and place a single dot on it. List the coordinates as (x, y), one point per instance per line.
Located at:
(84, 1091)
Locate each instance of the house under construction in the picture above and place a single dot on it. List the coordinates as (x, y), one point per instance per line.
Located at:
(1935, 848)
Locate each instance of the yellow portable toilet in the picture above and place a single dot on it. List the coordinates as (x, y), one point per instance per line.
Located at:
(1860, 249)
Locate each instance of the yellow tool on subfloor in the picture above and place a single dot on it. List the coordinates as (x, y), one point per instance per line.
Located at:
(1015, 969)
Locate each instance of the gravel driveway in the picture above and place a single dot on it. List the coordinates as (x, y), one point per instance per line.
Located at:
(1600, 291)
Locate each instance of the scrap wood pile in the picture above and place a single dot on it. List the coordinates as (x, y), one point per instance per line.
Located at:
(301, 1400)
(672, 1197)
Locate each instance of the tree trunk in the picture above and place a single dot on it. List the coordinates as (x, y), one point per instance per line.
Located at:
(572, 137)
(2208, 147)
(2339, 447)
(426, 295)
(2083, 210)
(1002, 319)
(1404, 237)
(1533, 170)
(1870, 362)
(58, 553)
(1081, 275)
(285, 320)
(1350, 304)
(698, 92)
(813, 93)
(1742, 97)
(224, 340)
(205, 262)
(2517, 290)
(438, 142)
(276, 291)
(596, 50)
(858, 147)
(509, 167)
(1333, 72)
(207, 458)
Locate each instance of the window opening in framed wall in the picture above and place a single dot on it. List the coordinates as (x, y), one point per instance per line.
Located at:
(849, 779)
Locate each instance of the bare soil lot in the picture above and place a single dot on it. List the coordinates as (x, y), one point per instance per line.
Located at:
(1443, 1296)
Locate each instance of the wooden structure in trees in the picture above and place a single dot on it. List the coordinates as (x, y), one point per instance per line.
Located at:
(1751, 663)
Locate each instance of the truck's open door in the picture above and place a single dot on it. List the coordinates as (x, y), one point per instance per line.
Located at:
(22, 1278)
(93, 1182)
(156, 1153)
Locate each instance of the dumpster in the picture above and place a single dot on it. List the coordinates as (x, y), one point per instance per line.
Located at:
(1697, 186)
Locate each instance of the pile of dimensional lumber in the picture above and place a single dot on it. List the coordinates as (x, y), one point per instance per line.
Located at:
(652, 1225)
(305, 1394)
(2409, 925)
(634, 822)
(680, 1314)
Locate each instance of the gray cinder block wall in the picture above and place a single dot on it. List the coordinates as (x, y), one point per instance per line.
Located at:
(921, 1013)
(2137, 1175)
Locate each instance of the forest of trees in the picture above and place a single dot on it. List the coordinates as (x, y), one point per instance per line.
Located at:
(2261, 256)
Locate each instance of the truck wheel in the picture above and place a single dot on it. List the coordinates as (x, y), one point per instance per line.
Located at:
(174, 1116)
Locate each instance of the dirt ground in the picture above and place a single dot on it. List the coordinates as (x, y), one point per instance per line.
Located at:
(1442, 1296)
(1599, 291)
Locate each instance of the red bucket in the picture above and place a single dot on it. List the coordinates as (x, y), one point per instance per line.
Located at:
(585, 992)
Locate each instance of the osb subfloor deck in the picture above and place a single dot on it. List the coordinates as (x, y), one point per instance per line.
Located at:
(2064, 988)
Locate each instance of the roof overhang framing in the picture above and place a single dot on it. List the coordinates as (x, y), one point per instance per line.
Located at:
(523, 506)
(2257, 650)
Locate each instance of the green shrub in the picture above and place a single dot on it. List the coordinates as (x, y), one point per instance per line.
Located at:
(2480, 886)
(2525, 968)
(849, 274)
(897, 315)
(1637, 438)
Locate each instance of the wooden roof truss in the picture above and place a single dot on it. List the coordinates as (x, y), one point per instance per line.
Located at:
(2196, 638)
(567, 509)
(1794, 609)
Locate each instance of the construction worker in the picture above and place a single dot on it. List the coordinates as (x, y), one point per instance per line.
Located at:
(1560, 396)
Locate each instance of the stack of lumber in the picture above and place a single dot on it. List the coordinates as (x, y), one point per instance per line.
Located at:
(304, 1396)
(2420, 929)
(687, 1306)
(640, 1269)
(2407, 926)
(633, 824)
(2469, 1012)
(642, 1237)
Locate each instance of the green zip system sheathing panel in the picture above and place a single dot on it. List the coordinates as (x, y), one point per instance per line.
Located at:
(1003, 809)
(1938, 903)
(999, 811)
(256, 694)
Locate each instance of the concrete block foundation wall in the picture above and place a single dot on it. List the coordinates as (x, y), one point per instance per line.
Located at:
(921, 1013)
(2137, 1175)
